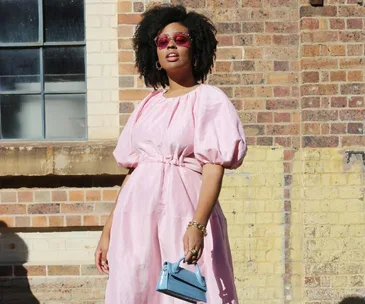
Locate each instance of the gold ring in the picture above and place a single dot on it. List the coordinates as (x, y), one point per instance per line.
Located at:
(193, 252)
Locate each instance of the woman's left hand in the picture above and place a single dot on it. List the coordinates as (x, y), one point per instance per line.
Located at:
(193, 241)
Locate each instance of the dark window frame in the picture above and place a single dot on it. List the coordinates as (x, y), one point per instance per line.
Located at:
(41, 45)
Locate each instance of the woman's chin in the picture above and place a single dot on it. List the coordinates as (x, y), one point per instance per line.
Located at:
(173, 67)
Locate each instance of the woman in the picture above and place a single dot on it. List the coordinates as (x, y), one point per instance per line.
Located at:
(177, 143)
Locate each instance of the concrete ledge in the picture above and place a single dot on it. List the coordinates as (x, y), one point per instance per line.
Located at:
(62, 158)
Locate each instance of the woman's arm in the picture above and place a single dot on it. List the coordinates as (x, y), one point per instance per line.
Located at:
(212, 176)
(101, 252)
(108, 223)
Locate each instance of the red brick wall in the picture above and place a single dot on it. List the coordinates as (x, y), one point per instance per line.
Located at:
(58, 207)
(332, 74)
(293, 71)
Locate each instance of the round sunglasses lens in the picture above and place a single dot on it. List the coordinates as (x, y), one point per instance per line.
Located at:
(162, 42)
(181, 39)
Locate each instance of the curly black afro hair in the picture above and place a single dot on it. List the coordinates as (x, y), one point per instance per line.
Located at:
(154, 21)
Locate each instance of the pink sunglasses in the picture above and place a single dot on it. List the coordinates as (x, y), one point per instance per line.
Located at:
(180, 39)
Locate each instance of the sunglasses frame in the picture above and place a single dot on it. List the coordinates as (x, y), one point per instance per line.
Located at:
(172, 38)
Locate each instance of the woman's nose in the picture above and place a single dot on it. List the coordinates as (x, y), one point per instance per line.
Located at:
(171, 44)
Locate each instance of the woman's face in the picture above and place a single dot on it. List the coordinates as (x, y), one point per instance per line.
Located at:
(175, 56)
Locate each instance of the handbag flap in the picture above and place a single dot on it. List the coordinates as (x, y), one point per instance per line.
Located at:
(186, 276)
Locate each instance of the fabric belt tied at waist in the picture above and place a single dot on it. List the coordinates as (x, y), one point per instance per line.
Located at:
(187, 162)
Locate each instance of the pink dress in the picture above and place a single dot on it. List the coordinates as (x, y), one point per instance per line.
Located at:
(168, 140)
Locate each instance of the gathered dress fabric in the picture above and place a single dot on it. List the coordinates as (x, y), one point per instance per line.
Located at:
(168, 141)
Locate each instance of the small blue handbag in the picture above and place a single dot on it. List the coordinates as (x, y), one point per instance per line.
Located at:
(181, 283)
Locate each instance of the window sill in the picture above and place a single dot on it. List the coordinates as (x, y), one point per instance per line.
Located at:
(58, 158)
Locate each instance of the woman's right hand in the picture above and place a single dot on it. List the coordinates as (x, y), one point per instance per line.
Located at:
(101, 260)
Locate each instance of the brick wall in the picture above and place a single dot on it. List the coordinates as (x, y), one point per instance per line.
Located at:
(252, 200)
(328, 226)
(332, 74)
(102, 69)
(58, 207)
(295, 209)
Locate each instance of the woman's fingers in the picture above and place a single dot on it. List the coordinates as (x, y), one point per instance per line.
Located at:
(186, 247)
(101, 261)
(98, 260)
(200, 252)
(193, 244)
(104, 262)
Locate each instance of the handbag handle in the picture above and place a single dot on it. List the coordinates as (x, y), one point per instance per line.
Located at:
(176, 266)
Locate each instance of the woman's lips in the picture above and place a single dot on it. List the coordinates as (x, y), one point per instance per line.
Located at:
(172, 57)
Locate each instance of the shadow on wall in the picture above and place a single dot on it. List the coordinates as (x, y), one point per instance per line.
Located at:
(353, 300)
(14, 284)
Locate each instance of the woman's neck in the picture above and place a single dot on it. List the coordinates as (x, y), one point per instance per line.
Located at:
(179, 83)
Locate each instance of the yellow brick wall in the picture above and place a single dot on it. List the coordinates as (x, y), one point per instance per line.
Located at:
(324, 232)
(328, 225)
(252, 198)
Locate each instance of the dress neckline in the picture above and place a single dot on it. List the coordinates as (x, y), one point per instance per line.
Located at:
(182, 95)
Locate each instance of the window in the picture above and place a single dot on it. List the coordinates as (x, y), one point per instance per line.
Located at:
(42, 70)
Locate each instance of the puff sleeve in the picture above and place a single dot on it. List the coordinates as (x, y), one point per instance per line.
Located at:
(219, 137)
(124, 153)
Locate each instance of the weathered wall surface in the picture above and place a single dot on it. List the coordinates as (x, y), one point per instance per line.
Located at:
(102, 69)
(328, 225)
(295, 209)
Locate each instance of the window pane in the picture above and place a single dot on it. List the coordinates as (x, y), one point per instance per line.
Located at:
(66, 116)
(19, 21)
(19, 70)
(21, 116)
(64, 69)
(64, 20)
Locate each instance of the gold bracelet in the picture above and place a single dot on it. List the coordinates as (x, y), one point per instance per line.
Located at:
(200, 227)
